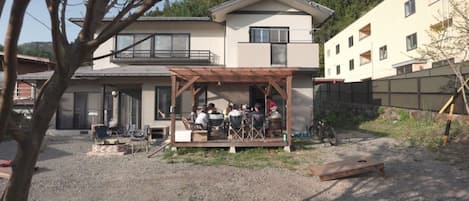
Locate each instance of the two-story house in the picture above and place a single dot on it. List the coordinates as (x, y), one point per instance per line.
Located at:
(386, 40)
(134, 85)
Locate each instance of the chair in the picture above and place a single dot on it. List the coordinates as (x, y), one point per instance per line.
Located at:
(236, 127)
(216, 121)
(139, 138)
(257, 126)
(101, 134)
(191, 125)
(275, 127)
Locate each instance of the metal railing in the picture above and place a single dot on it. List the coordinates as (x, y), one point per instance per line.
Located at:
(164, 56)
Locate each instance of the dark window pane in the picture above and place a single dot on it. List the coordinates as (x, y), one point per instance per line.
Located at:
(163, 103)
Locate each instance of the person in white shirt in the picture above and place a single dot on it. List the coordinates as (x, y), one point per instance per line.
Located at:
(202, 118)
(235, 111)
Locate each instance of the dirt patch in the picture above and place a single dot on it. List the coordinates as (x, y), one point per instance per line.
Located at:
(66, 173)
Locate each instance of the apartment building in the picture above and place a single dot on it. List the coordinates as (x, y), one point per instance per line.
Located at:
(386, 40)
(134, 85)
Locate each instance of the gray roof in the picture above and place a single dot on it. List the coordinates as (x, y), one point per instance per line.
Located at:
(86, 72)
(79, 20)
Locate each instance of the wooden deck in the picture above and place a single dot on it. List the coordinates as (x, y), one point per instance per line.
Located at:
(268, 142)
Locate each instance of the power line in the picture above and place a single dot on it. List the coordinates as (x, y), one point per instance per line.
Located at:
(38, 20)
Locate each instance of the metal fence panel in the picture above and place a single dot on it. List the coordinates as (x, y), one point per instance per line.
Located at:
(405, 101)
(404, 85)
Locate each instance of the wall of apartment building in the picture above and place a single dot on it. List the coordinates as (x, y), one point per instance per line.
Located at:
(203, 36)
(237, 33)
(389, 27)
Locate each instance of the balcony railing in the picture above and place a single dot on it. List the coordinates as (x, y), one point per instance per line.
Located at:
(163, 57)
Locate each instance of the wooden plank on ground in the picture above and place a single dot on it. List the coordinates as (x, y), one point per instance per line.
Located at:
(347, 168)
(5, 172)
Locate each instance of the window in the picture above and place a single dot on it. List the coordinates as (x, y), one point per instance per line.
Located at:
(164, 45)
(350, 41)
(337, 49)
(365, 58)
(171, 45)
(278, 54)
(383, 53)
(163, 103)
(411, 41)
(351, 64)
(269, 35)
(404, 69)
(409, 7)
(365, 31)
(338, 69)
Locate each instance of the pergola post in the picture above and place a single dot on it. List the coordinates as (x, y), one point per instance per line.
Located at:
(289, 108)
(173, 105)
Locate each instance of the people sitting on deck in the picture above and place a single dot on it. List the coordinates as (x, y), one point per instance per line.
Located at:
(202, 118)
(211, 109)
(227, 111)
(274, 114)
(235, 111)
(193, 114)
(257, 115)
(271, 103)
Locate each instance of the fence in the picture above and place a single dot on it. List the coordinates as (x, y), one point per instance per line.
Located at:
(425, 90)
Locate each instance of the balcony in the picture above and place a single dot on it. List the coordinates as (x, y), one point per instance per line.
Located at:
(164, 57)
(294, 54)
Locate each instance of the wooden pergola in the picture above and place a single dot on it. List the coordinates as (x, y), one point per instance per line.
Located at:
(183, 78)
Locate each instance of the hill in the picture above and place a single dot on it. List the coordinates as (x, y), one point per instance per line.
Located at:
(38, 49)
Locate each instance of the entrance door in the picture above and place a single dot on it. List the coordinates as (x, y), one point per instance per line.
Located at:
(80, 113)
(130, 109)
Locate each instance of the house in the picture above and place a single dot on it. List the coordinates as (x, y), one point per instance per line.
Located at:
(267, 40)
(386, 40)
(25, 92)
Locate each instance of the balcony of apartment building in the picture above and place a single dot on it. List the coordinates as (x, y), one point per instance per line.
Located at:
(164, 49)
(273, 47)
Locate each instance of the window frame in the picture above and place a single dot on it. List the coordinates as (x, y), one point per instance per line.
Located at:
(409, 40)
(271, 54)
(351, 64)
(157, 101)
(252, 38)
(337, 49)
(350, 41)
(381, 55)
(152, 44)
(337, 70)
(409, 8)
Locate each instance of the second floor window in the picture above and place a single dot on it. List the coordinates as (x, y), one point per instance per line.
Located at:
(164, 45)
(337, 49)
(269, 35)
(351, 64)
(409, 7)
(411, 41)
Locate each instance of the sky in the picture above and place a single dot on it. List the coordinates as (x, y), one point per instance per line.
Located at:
(33, 29)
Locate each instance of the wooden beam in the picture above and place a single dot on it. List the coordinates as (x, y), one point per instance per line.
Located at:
(261, 89)
(278, 88)
(187, 85)
(289, 107)
(173, 105)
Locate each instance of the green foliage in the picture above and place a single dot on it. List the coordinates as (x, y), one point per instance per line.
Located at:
(194, 8)
(38, 49)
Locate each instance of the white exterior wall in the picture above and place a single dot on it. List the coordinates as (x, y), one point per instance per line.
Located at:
(203, 36)
(237, 26)
(390, 27)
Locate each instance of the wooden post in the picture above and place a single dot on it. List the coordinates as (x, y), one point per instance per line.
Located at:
(173, 107)
(103, 105)
(289, 107)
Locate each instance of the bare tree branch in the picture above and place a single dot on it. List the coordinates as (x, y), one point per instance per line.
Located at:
(62, 19)
(2, 4)
(10, 62)
(118, 17)
(119, 26)
(53, 7)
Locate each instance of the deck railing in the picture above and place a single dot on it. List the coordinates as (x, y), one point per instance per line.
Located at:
(164, 57)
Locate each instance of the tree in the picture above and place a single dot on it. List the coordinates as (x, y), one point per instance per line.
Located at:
(450, 40)
(69, 56)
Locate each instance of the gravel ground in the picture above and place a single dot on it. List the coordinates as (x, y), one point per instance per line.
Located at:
(66, 173)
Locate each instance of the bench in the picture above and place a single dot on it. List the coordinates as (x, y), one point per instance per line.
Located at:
(347, 168)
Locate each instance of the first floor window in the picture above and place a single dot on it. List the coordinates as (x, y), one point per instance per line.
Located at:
(338, 69)
(404, 69)
(411, 41)
(383, 53)
(163, 103)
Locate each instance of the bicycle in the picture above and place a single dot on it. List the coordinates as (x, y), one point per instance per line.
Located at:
(321, 130)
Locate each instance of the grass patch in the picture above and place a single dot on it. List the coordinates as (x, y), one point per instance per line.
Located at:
(417, 133)
(251, 158)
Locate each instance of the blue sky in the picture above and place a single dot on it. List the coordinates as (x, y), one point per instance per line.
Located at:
(34, 30)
